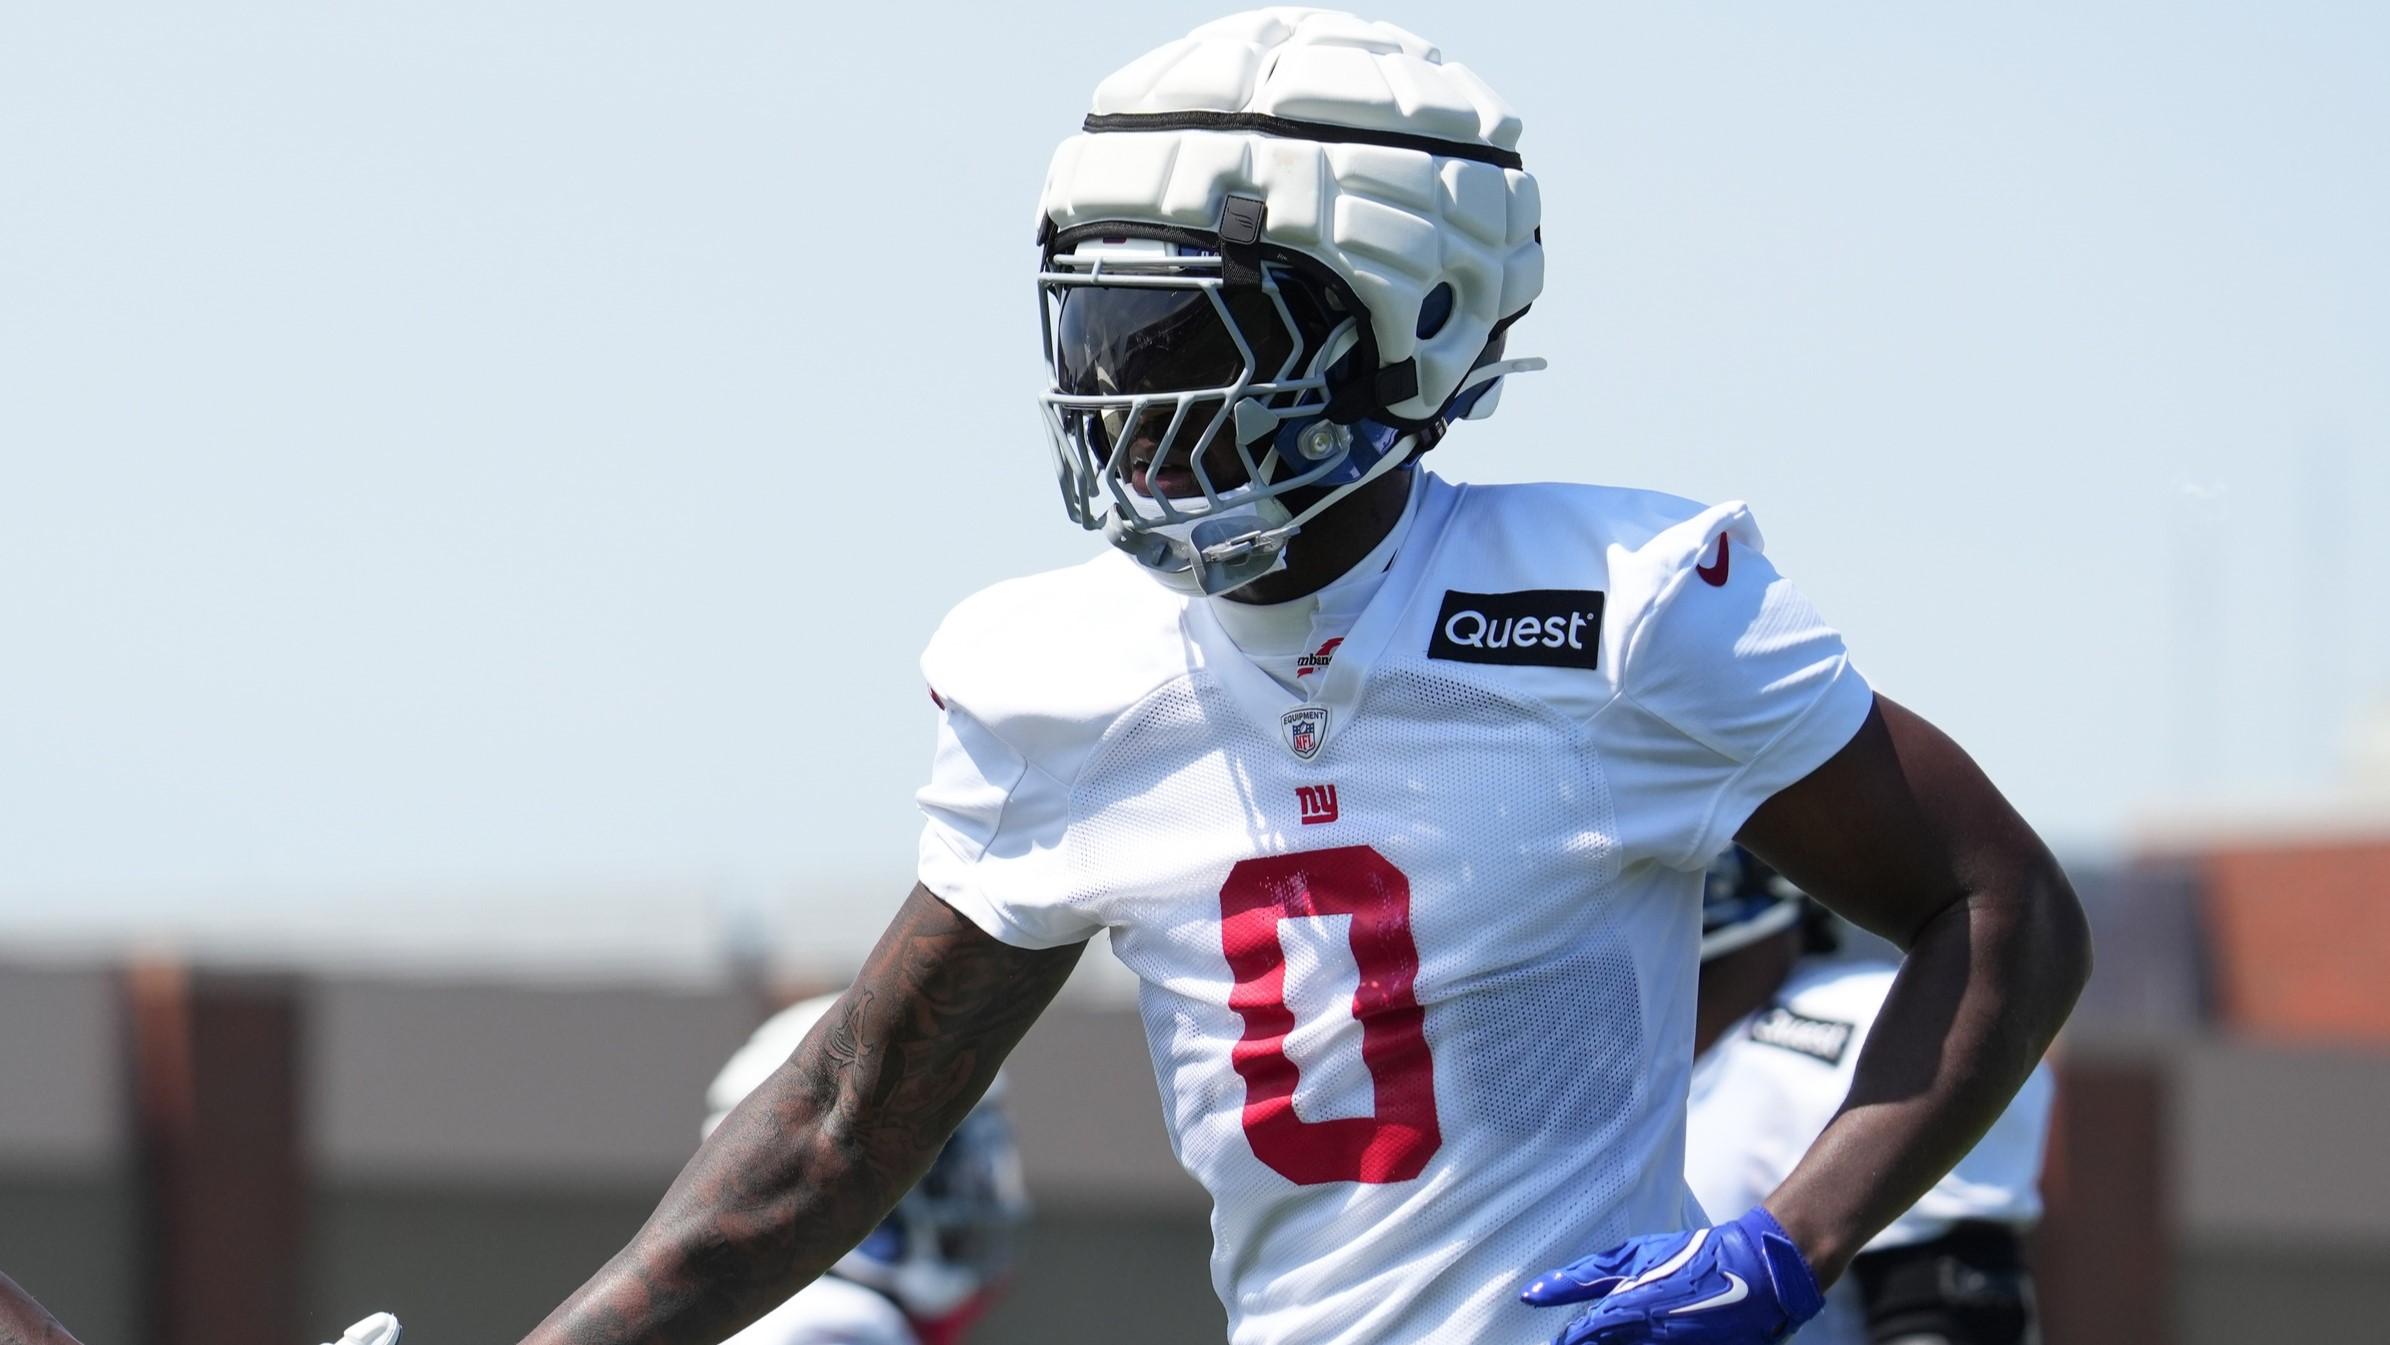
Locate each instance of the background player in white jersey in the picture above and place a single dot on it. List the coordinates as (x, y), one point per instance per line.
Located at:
(1781, 1019)
(1395, 794)
(934, 1265)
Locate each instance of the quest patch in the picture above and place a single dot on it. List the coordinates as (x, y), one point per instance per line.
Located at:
(1537, 627)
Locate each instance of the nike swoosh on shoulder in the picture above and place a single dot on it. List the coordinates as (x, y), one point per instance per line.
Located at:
(1714, 573)
(1736, 1292)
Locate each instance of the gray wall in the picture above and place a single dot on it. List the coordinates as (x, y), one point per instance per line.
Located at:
(2282, 1196)
(71, 1238)
(463, 1263)
(477, 1149)
(482, 1148)
(2290, 1291)
(67, 1211)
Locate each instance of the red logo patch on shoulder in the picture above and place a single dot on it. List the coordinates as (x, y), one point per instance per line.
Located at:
(1714, 573)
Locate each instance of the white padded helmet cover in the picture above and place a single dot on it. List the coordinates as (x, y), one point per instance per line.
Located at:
(1393, 222)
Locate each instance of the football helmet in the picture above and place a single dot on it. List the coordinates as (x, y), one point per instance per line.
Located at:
(949, 1241)
(1744, 901)
(1278, 261)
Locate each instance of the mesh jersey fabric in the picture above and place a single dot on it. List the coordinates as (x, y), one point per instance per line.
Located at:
(1419, 1000)
(1757, 1105)
(830, 1311)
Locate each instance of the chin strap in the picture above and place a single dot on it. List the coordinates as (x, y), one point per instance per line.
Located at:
(1482, 390)
(1221, 552)
(1397, 454)
(1206, 556)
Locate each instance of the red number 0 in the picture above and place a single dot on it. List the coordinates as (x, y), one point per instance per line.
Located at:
(1394, 1144)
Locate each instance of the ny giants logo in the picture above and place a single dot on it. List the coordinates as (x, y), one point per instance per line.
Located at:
(1318, 803)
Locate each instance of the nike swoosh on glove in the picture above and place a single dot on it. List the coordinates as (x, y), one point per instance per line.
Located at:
(1742, 1283)
(379, 1329)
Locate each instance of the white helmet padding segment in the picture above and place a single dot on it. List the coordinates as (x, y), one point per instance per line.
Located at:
(1370, 153)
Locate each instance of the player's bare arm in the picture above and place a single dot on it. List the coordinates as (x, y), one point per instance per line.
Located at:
(1901, 833)
(25, 1322)
(802, 1169)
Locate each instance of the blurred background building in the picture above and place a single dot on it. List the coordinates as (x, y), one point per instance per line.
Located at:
(209, 1156)
(473, 480)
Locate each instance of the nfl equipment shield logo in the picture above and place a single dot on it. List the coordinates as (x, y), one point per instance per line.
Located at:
(1305, 730)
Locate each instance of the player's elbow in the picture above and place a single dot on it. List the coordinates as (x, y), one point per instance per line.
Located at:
(2057, 936)
(2075, 953)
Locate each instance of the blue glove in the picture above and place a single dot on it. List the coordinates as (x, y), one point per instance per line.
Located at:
(1742, 1283)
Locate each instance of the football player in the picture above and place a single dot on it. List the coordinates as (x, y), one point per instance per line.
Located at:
(1779, 1025)
(1395, 793)
(932, 1267)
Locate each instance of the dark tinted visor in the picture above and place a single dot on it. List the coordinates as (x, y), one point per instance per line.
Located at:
(1123, 340)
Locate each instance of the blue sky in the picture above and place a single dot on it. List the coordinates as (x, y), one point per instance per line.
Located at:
(499, 453)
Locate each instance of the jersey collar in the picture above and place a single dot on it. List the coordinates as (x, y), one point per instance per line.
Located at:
(1337, 691)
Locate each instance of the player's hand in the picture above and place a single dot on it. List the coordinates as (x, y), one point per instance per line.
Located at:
(1742, 1283)
(379, 1329)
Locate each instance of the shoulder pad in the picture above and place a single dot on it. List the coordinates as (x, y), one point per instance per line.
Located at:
(1046, 662)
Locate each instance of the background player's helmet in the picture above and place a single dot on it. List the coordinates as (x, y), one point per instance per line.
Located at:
(1744, 901)
(1284, 250)
(949, 1241)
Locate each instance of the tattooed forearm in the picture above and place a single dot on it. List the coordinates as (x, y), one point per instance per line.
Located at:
(25, 1322)
(801, 1170)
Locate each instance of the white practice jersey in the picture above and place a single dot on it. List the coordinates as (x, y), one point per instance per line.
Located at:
(831, 1311)
(1764, 1091)
(1417, 946)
